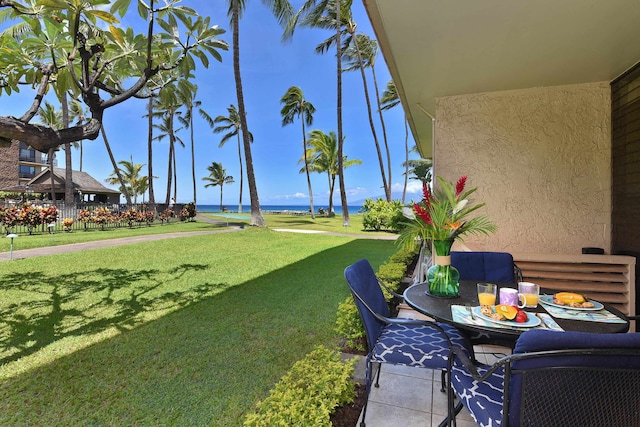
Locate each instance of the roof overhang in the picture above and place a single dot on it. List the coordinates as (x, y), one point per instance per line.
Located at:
(440, 48)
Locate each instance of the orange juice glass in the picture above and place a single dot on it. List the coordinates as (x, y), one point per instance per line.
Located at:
(487, 293)
(530, 292)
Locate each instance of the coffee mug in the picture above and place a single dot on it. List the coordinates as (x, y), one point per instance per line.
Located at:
(510, 296)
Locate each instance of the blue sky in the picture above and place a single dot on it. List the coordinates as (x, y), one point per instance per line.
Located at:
(269, 67)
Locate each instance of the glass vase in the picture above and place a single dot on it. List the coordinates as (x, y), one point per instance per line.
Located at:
(443, 278)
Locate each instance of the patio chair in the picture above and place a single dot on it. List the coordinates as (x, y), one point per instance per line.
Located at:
(554, 379)
(397, 341)
(486, 266)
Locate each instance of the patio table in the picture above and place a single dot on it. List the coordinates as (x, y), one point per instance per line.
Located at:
(441, 310)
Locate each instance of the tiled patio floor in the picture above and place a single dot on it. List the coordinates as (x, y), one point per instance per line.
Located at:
(411, 397)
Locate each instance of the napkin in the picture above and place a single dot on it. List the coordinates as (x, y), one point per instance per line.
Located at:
(603, 315)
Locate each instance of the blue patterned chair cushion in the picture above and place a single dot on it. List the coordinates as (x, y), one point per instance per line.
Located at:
(484, 266)
(483, 399)
(421, 346)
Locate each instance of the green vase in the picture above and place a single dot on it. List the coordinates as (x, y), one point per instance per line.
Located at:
(443, 278)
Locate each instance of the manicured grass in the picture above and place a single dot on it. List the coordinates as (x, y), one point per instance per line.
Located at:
(187, 331)
(321, 223)
(37, 240)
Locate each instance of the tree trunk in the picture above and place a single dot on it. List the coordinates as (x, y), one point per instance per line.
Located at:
(332, 184)
(169, 171)
(343, 191)
(193, 161)
(256, 215)
(68, 167)
(385, 185)
(241, 174)
(152, 198)
(306, 169)
(80, 142)
(384, 127)
(116, 169)
(52, 180)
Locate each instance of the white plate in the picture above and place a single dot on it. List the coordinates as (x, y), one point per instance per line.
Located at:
(532, 320)
(548, 300)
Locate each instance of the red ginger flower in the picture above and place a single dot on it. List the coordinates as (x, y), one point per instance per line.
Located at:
(426, 194)
(460, 185)
(423, 213)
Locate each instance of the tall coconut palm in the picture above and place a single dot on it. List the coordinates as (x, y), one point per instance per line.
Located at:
(323, 157)
(217, 176)
(311, 13)
(390, 99)
(116, 169)
(295, 105)
(362, 53)
(283, 11)
(230, 126)
(186, 95)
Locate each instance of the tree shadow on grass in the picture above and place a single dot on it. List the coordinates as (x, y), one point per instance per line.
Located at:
(52, 308)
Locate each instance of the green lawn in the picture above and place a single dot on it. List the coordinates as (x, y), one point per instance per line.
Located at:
(187, 331)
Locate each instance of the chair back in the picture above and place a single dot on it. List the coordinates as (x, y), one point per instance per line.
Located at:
(368, 298)
(574, 378)
(484, 266)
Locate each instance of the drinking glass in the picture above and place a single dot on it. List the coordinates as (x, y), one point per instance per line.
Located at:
(487, 293)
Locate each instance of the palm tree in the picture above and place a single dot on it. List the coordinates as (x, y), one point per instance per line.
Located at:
(283, 11)
(166, 106)
(312, 12)
(186, 95)
(389, 100)
(323, 157)
(362, 53)
(130, 174)
(116, 169)
(231, 126)
(217, 176)
(295, 105)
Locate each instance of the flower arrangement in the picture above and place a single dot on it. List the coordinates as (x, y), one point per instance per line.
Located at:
(441, 217)
(443, 214)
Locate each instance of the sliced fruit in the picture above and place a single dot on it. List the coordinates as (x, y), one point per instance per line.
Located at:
(507, 311)
(569, 297)
(521, 317)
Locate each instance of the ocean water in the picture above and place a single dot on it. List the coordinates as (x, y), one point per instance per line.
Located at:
(246, 209)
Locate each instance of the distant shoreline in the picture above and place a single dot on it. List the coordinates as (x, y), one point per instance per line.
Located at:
(274, 209)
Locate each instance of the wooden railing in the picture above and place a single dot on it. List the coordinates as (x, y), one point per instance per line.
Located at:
(605, 278)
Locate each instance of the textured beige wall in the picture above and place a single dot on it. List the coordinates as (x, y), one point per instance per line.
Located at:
(541, 160)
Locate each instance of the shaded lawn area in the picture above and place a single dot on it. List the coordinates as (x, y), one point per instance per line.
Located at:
(181, 332)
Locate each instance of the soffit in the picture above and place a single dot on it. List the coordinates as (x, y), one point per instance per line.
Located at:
(440, 48)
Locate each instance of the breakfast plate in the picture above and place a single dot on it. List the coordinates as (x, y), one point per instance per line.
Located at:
(532, 320)
(548, 300)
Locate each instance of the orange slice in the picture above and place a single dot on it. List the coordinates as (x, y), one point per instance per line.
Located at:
(569, 297)
(507, 311)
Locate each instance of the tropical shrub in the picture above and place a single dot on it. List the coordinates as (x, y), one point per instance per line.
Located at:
(382, 215)
(391, 273)
(308, 394)
(67, 224)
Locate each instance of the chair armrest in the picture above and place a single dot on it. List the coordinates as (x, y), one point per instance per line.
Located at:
(518, 273)
(471, 367)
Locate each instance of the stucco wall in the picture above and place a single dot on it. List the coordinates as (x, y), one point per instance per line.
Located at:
(541, 160)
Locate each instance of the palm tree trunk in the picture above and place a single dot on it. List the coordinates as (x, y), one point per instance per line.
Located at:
(80, 155)
(175, 174)
(169, 171)
(152, 198)
(332, 184)
(256, 215)
(384, 127)
(116, 169)
(241, 174)
(52, 181)
(193, 161)
(306, 169)
(385, 185)
(220, 197)
(343, 191)
(68, 168)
